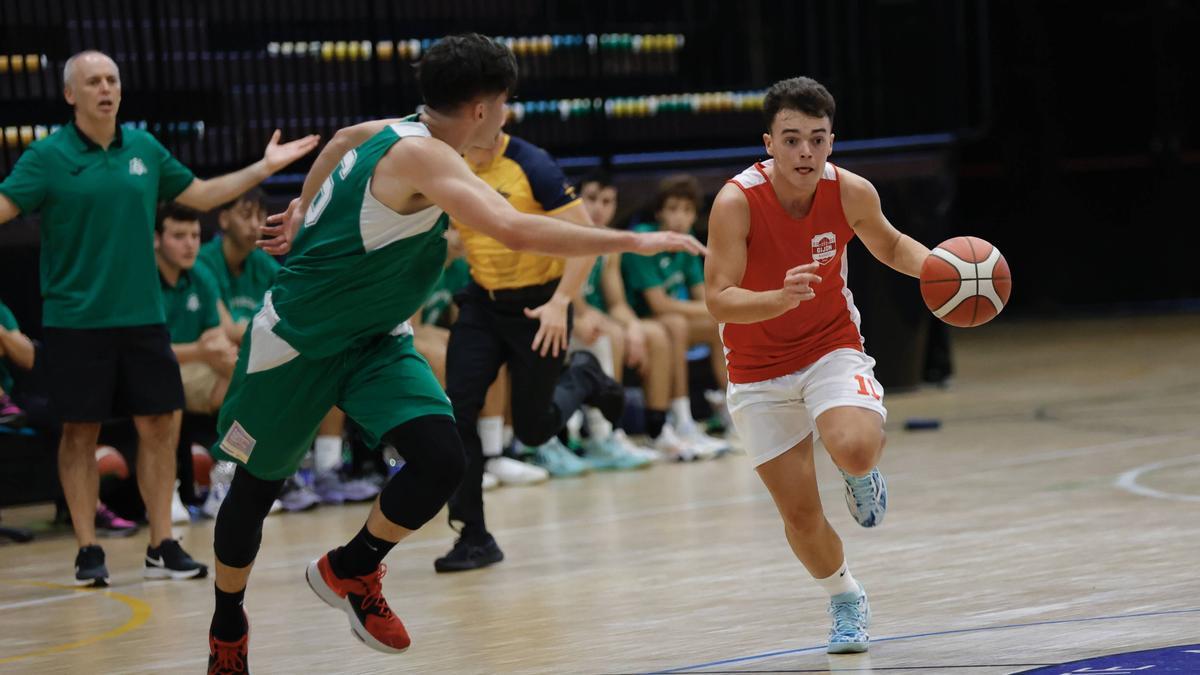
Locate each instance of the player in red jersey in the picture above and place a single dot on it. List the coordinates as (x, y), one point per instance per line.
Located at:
(775, 279)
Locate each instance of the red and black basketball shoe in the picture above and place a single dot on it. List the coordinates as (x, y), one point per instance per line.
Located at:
(361, 598)
(228, 658)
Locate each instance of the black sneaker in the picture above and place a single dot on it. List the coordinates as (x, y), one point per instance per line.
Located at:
(469, 556)
(89, 567)
(170, 561)
(607, 394)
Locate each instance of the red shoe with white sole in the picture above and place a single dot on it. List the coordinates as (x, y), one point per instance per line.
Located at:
(361, 598)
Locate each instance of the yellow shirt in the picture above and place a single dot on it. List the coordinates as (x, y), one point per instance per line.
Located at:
(531, 181)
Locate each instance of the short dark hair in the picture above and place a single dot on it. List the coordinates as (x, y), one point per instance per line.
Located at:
(799, 93)
(254, 195)
(599, 177)
(460, 68)
(174, 211)
(681, 186)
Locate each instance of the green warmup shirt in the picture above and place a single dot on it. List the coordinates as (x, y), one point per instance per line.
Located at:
(9, 322)
(674, 272)
(242, 293)
(97, 205)
(357, 269)
(593, 292)
(191, 305)
(455, 277)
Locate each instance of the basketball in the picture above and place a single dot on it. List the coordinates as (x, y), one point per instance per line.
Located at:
(201, 465)
(965, 282)
(111, 462)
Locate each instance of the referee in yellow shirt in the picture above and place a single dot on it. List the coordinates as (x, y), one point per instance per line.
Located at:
(517, 311)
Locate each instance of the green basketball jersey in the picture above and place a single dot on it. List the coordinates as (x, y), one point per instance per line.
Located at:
(357, 268)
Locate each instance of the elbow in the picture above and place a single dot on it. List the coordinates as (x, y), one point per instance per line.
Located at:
(716, 310)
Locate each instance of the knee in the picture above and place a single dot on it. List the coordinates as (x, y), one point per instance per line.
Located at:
(855, 451)
(803, 521)
(656, 338)
(432, 447)
(675, 324)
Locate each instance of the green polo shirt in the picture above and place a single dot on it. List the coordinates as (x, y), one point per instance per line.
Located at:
(97, 261)
(242, 293)
(9, 322)
(455, 277)
(191, 305)
(674, 272)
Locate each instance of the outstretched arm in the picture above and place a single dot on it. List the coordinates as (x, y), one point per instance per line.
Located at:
(728, 226)
(434, 170)
(204, 195)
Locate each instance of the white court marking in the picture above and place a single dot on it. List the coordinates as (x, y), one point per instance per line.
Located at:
(1129, 480)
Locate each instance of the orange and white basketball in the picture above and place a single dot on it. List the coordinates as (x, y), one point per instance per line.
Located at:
(965, 282)
(110, 462)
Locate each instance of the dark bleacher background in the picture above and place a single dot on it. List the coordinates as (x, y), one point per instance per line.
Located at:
(1062, 131)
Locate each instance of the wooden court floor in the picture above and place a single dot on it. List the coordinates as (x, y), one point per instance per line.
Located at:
(1053, 517)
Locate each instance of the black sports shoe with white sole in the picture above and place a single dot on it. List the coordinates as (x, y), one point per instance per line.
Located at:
(169, 561)
(89, 567)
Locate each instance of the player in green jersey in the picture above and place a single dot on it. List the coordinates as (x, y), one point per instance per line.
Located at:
(367, 247)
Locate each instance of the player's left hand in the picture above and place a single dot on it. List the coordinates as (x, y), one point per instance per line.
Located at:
(281, 228)
(551, 337)
(278, 156)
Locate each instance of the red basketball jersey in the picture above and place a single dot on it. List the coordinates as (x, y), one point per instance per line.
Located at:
(776, 243)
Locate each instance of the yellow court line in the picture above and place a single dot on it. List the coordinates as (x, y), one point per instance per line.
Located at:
(139, 612)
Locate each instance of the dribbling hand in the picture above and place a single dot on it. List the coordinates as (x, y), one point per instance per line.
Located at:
(798, 283)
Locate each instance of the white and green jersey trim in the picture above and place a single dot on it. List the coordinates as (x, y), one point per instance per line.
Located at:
(358, 269)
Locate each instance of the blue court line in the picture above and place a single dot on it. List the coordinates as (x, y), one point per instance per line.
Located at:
(757, 151)
(767, 655)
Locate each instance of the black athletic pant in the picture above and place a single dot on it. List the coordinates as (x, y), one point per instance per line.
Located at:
(492, 330)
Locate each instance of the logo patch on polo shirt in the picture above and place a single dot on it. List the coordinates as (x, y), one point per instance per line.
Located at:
(193, 303)
(137, 167)
(238, 444)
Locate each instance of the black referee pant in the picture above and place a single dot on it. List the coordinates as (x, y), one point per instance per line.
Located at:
(492, 330)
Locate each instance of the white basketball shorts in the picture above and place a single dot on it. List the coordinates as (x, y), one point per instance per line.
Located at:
(774, 415)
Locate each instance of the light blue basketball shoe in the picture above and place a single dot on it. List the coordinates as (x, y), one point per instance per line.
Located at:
(851, 614)
(556, 458)
(866, 497)
(609, 454)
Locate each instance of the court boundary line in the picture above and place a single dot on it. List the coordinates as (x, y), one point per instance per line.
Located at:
(958, 631)
(1128, 481)
(139, 612)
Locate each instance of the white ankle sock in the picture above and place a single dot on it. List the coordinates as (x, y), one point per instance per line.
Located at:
(327, 451)
(598, 425)
(508, 436)
(839, 582)
(681, 411)
(491, 435)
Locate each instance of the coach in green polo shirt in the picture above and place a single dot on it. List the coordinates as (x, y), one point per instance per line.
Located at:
(243, 271)
(107, 351)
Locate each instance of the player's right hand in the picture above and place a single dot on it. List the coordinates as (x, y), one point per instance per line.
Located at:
(281, 228)
(657, 242)
(798, 283)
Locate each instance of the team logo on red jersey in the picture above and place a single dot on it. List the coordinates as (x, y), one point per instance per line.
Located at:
(824, 247)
